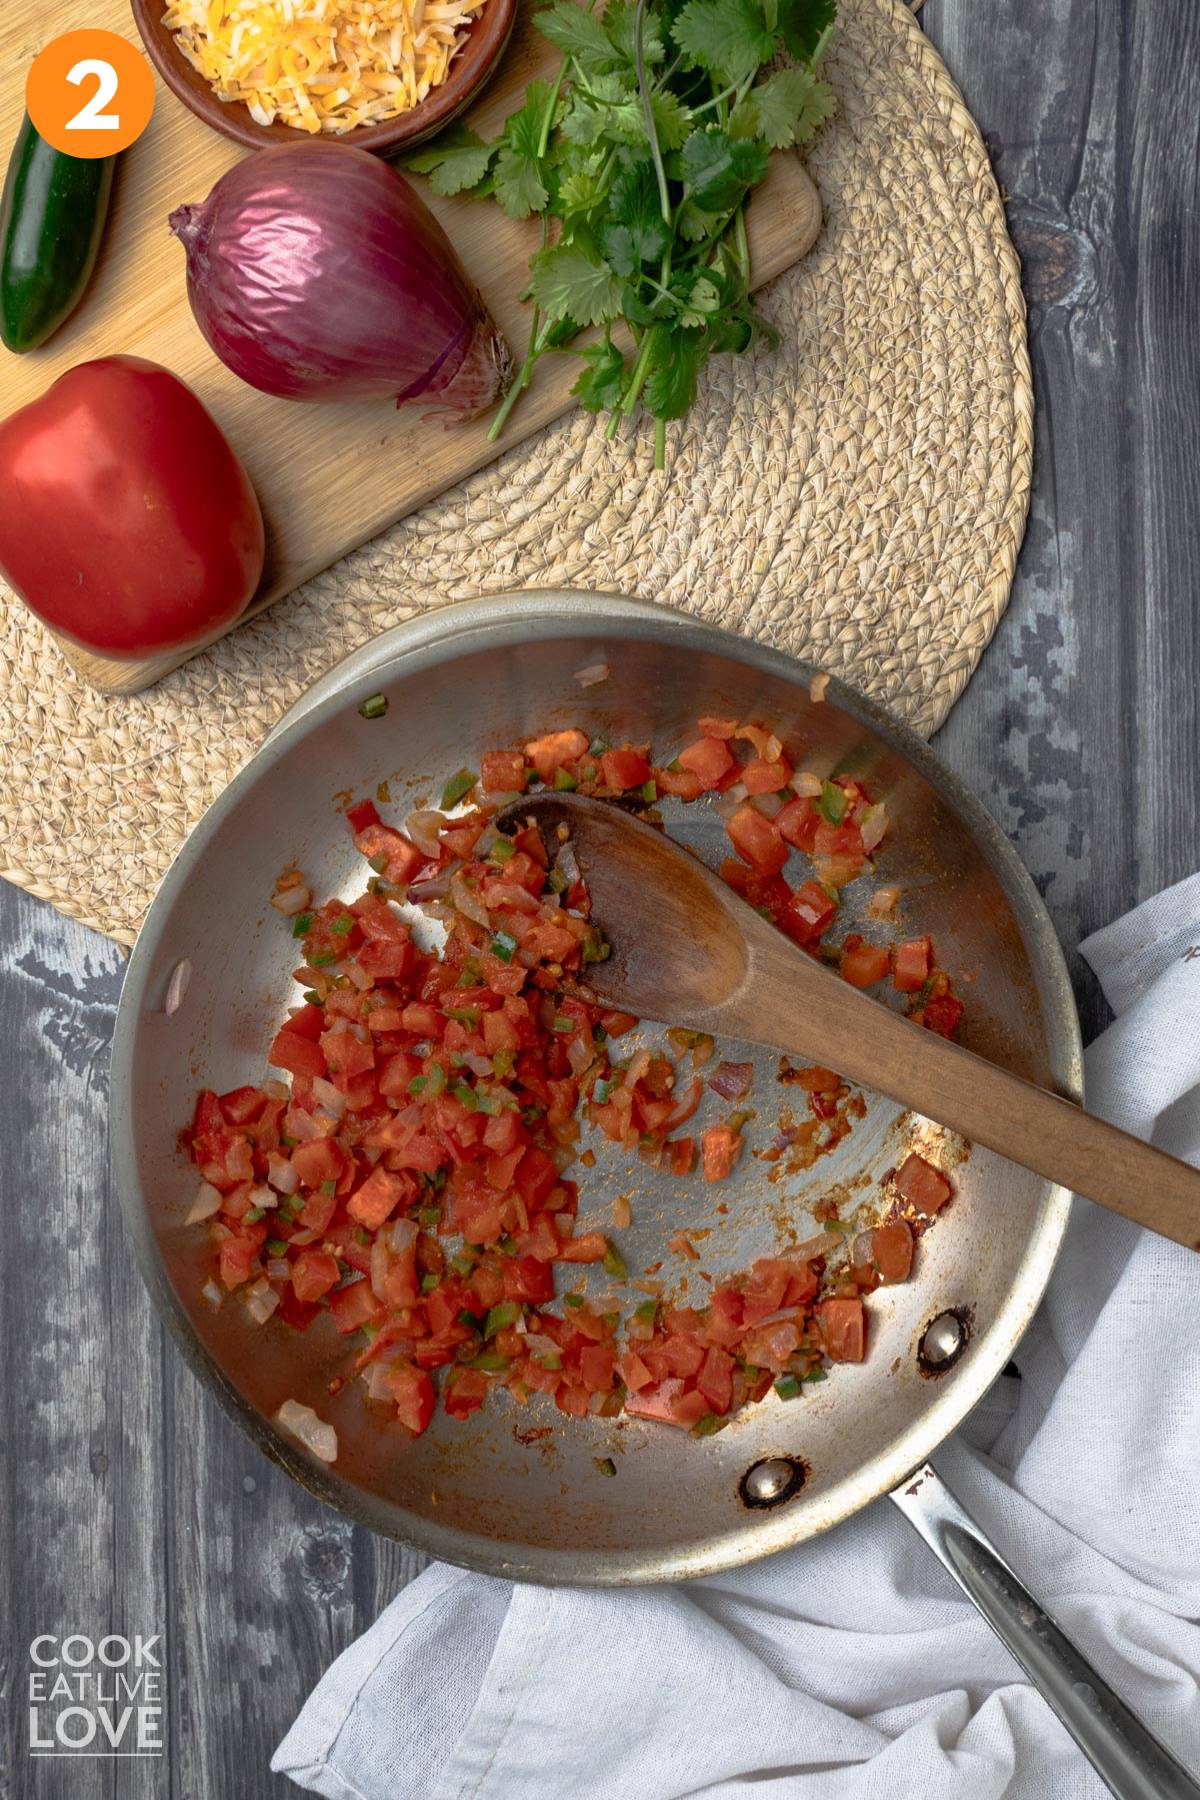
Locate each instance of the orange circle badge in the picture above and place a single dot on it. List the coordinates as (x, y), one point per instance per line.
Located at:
(90, 93)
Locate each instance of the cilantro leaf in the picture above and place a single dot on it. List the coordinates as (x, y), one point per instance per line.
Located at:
(704, 299)
(458, 160)
(603, 380)
(672, 119)
(523, 128)
(728, 38)
(566, 280)
(693, 225)
(519, 188)
(577, 33)
(620, 22)
(580, 191)
(802, 22)
(610, 109)
(639, 233)
(671, 384)
(784, 109)
(718, 170)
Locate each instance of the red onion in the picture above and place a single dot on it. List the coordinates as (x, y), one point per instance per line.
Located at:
(316, 273)
(731, 1080)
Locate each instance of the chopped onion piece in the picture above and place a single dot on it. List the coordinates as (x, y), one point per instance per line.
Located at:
(731, 1080)
(777, 1318)
(212, 1293)
(261, 1301)
(279, 1269)
(579, 1056)
(312, 1432)
(436, 887)
(423, 827)
(264, 1197)
(592, 674)
(567, 862)
(883, 902)
(206, 1203)
(292, 900)
(276, 1090)
(814, 1246)
(359, 977)
(769, 804)
(381, 1263)
(874, 825)
(379, 1381)
(807, 785)
(177, 987)
(467, 901)
(331, 1098)
(816, 688)
(401, 1234)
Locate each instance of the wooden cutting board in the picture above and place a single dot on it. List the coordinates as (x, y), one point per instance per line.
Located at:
(328, 477)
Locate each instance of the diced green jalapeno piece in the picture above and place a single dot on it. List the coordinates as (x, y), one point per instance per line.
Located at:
(457, 786)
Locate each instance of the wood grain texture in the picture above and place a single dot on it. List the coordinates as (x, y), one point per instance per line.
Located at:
(328, 477)
(126, 1496)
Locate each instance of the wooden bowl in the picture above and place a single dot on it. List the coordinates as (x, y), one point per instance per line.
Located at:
(470, 69)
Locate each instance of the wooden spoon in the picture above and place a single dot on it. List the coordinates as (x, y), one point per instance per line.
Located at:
(686, 950)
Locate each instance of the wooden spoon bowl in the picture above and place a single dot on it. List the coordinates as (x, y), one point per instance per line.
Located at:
(686, 950)
(469, 70)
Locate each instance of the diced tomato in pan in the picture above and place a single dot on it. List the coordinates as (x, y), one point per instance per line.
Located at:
(864, 964)
(756, 840)
(843, 1328)
(709, 759)
(925, 1187)
(913, 963)
(720, 1146)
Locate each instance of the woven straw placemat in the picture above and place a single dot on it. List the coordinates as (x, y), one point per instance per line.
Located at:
(857, 496)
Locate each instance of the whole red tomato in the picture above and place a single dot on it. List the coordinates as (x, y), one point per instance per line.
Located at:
(126, 521)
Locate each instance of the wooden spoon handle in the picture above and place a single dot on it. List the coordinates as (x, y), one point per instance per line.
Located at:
(866, 1042)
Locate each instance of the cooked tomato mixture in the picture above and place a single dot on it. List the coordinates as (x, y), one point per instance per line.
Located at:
(414, 1177)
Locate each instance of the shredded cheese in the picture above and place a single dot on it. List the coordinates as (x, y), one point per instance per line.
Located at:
(321, 65)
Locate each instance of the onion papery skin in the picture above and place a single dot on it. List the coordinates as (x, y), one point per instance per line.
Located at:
(315, 272)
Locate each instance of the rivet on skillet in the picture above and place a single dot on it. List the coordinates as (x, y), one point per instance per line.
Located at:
(772, 1481)
(943, 1341)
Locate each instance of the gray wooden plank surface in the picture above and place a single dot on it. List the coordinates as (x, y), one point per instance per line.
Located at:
(129, 1503)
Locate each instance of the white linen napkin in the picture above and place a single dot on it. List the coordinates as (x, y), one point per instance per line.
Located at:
(852, 1667)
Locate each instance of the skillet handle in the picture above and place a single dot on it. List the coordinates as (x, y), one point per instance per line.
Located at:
(1127, 1756)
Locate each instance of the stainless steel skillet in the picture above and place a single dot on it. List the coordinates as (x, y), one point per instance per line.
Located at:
(490, 1492)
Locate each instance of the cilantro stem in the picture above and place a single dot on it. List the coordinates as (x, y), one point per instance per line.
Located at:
(820, 47)
(742, 244)
(660, 443)
(660, 174)
(518, 387)
(548, 120)
(641, 369)
(717, 99)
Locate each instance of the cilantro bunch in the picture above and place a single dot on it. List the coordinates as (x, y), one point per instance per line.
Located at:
(638, 160)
